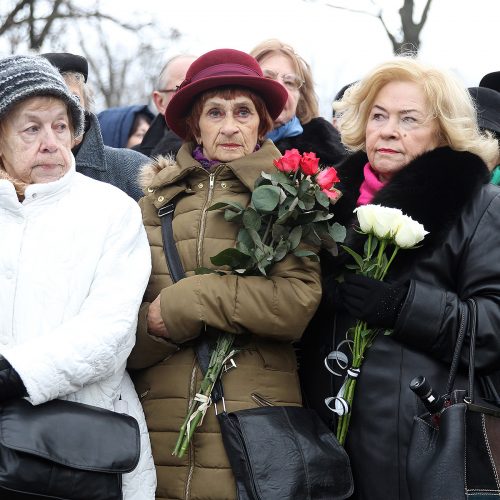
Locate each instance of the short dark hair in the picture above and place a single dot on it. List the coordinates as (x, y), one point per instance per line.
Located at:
(193, 119)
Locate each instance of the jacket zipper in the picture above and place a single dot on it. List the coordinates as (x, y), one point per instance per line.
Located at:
(199, 244)
(187, 491)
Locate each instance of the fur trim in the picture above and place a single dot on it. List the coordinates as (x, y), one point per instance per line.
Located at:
(432, 189)
(149, 171)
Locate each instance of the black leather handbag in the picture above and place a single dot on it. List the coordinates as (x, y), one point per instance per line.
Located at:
(275, 452)
(65, 450)
(454, 454)
(284, 452)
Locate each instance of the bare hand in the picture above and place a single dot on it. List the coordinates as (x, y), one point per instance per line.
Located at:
(156, 326)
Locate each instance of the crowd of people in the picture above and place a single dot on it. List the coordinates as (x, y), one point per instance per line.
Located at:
(90, 310)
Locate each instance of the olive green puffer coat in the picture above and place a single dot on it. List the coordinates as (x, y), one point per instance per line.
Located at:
(266, 315)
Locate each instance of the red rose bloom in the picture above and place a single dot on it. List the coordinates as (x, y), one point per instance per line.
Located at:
(289, 162)
(327, 178)
(309, 163)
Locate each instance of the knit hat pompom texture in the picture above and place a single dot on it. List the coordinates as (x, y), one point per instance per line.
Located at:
(22, 77)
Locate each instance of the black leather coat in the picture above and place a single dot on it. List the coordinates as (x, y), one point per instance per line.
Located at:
(448, 192)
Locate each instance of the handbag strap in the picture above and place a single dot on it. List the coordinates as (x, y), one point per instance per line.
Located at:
(468, 318)
(202, 347)
(166, 215)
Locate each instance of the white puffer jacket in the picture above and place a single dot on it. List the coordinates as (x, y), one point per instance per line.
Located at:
(74, 264)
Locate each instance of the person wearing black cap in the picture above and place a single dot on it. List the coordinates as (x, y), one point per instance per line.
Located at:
(115, 166)
(487, 103)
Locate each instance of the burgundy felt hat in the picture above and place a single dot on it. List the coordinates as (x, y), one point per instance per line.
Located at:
(221, 68)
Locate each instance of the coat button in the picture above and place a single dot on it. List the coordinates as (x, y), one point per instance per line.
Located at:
(200, 185)
(223, 185)
(161, 198)
(151, 190)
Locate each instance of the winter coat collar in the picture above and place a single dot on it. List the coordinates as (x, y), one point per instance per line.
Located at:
(433, 189)
(91, 151)
(169, 175)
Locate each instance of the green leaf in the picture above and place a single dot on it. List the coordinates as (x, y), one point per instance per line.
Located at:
(308, 201)
(256, 239)
(295, 236)
(355, 256)
(283, 217)
(306, 218)
(306, 253)
(231, 257)
(251, 219)
(388, 332)
(231, 216)
(281, 250)
(321, 198)
(290, 189)
(337, 232)
(266, 198)
(321, 216)
(282, 196)
(226, 204)
(303, 187)
(245, 239)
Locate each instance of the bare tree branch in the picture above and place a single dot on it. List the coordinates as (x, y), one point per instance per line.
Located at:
(9, 20)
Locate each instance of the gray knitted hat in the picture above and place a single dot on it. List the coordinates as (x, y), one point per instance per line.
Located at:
(22, 77)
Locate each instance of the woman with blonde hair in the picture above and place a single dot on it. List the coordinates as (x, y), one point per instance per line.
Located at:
(419, 149)
(299, 124)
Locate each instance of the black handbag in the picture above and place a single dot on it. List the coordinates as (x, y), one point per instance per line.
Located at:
(455, 454)
(284, 452)
(275, 452)
(65, 450)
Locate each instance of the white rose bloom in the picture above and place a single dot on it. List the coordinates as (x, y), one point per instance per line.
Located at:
(386, 221)
(365, 217)
(410, 233)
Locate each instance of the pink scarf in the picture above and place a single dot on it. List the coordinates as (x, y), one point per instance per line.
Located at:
(370, 186)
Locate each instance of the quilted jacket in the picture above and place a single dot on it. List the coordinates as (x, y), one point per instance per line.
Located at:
(266, 315)
(74, 262)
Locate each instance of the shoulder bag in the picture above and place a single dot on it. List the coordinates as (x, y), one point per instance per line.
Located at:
(275, 452)
(65, 450)
(454, 454)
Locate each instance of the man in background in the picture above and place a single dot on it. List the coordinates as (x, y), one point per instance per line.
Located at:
(116, 166)
(159, 139)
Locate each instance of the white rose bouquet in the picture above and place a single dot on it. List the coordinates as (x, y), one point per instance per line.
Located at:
(388, 230)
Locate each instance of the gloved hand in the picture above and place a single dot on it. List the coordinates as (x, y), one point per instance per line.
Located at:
(11, 385)
(376, 302)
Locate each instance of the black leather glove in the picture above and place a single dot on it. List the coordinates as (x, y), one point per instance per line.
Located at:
(11, 385)
(376, 302)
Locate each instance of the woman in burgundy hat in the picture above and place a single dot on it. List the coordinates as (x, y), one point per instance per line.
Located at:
(223, 110)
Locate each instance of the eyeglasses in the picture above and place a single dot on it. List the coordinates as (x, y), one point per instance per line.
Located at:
(290, 81)
(167, 90)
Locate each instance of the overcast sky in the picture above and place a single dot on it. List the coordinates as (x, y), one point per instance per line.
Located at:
(341, 46)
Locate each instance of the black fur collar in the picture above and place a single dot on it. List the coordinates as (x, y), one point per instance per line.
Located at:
(433, 189)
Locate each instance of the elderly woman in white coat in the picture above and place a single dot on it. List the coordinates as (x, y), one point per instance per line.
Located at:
(74, 261)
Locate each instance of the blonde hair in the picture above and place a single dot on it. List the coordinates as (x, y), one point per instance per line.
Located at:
(307, 106)
(449, 103)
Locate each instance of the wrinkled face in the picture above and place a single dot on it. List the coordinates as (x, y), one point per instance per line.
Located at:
(281, 65)
(399, 128)
(228, 128)
(36, 141)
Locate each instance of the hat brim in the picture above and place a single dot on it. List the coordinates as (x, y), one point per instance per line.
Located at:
(272, 92)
